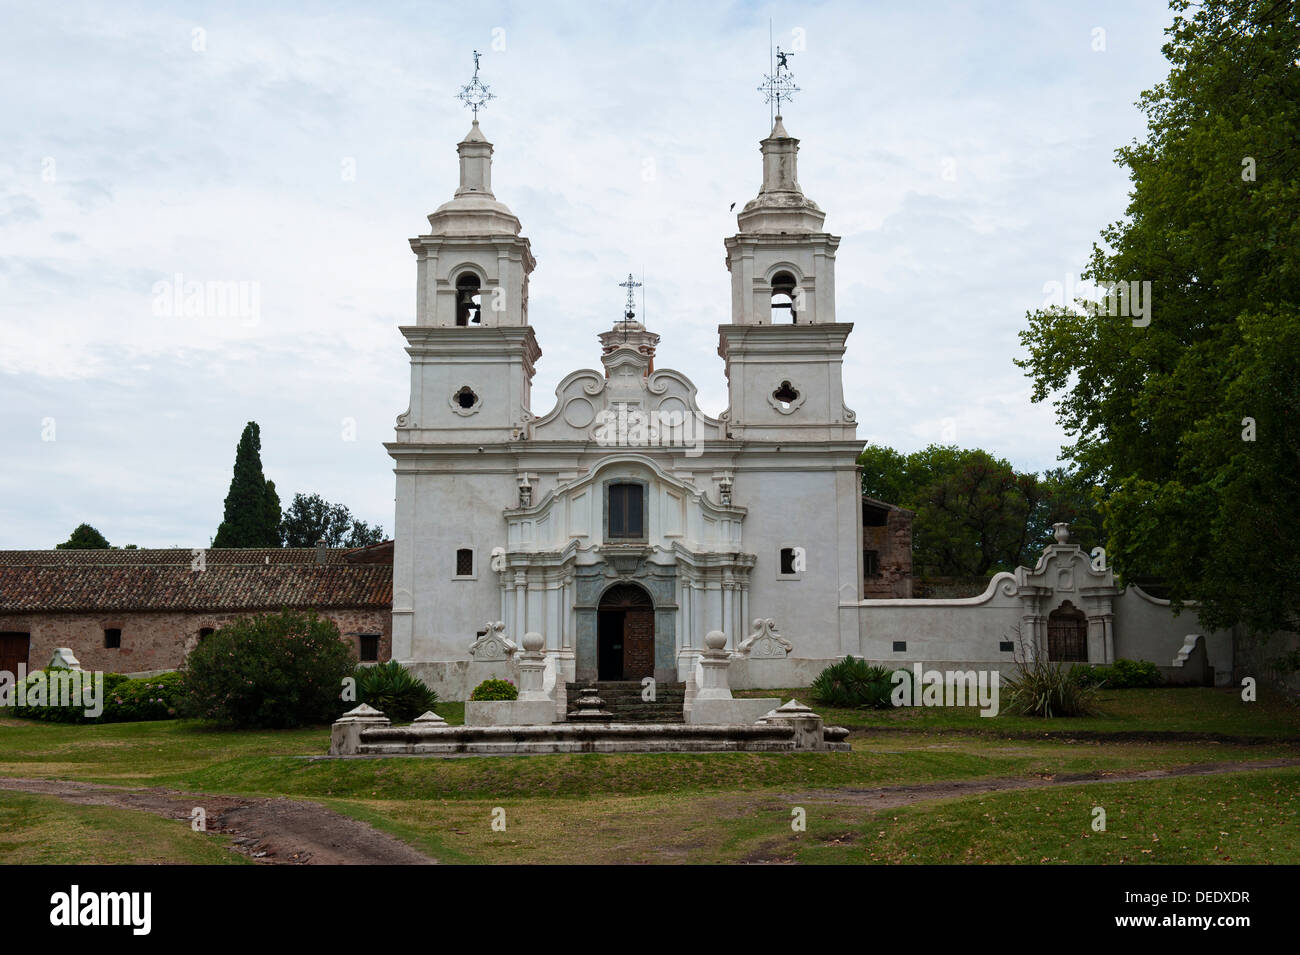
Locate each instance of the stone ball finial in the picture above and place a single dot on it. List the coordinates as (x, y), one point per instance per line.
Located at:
(1061, 532)
(533, 641)
(715, 640)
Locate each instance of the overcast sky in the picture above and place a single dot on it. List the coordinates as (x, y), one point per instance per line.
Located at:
(964, 152)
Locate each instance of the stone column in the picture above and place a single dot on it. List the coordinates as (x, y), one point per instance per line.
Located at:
(715, 661)
(345, 734)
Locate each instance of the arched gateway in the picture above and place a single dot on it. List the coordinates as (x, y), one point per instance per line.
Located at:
(625, 634)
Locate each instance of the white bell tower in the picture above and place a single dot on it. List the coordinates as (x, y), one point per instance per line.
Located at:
(472, 349)
(784, 349)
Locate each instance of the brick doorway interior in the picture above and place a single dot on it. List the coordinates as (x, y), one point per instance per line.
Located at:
(625, 634)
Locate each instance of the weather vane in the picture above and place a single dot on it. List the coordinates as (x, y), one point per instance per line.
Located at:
(629, 312)
(474, 94)
(779, 84)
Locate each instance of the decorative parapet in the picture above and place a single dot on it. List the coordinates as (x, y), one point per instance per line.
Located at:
(765, 643)
(493, 646)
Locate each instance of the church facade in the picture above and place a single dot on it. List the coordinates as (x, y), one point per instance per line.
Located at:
(623, 524)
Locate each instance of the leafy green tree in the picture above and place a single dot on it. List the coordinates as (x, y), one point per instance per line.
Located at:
(84, 537)
(252, 515)
(1189, 422)
(310, 518)
(975, 514)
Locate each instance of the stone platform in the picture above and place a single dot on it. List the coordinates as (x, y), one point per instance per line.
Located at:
(791, 728)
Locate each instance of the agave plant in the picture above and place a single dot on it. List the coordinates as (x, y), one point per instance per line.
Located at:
(853, 684)
(1042, 688)
(394, 690)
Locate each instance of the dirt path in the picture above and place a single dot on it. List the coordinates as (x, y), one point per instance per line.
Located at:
(277, 831)
(892, 797)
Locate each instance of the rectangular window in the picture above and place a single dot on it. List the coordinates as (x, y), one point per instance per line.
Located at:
(465, 562)
(1006, 646)
(369, 647)
(626, 511)
(112, 638)
(870, 563)
(787, 560)
(900, 646)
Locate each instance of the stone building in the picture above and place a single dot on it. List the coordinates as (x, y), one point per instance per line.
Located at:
(886, 550)
(134, 611)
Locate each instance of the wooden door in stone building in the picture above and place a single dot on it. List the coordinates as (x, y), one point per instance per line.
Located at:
(13, 650)
(626, 634)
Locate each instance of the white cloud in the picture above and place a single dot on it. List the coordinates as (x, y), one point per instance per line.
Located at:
(132, 157)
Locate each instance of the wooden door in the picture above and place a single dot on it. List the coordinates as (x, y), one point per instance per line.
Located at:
(13, 650)
(638, 644)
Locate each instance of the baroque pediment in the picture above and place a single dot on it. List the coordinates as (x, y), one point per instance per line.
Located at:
(590, 406)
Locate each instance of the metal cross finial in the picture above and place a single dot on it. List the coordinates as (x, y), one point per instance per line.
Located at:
(630, 312)
(474, 94)
(779, 84)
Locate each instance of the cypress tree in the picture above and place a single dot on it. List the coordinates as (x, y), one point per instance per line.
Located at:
(248, 519)
(271, 518)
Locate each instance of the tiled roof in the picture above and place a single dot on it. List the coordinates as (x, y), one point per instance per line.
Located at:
(233, 579)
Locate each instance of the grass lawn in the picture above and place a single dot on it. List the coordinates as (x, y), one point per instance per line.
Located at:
(1206, 710)
(731, 806)
(1241, 818)
(46, 830)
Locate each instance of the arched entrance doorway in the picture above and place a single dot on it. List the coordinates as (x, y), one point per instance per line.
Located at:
(1067, 635)
(625, 634)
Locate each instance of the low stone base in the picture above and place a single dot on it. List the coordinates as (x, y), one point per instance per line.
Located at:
(418, 740)
(743, 711)
(509, 712)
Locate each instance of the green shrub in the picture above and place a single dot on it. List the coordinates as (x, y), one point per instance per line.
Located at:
(125, 700)
(394, 691)
(495, 690)
(1041, 688)
(145, 698)
(854, 684)
(273, 671)
(1120, 675)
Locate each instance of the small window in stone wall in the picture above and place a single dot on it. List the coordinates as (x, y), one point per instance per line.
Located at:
(369, 647)
(787, 560)
(900, 646)
(205, 632)
(112, 638)
(464, 562)
(870, 563)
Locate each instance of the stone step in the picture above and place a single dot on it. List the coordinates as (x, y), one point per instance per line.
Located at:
(624, 703)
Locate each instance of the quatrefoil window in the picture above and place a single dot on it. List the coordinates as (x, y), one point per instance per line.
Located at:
(786, 398)
(465, 401)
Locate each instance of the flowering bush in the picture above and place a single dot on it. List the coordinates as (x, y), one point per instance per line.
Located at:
(125, 700)
(274, 671)
(495, 690)
(147, 698)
